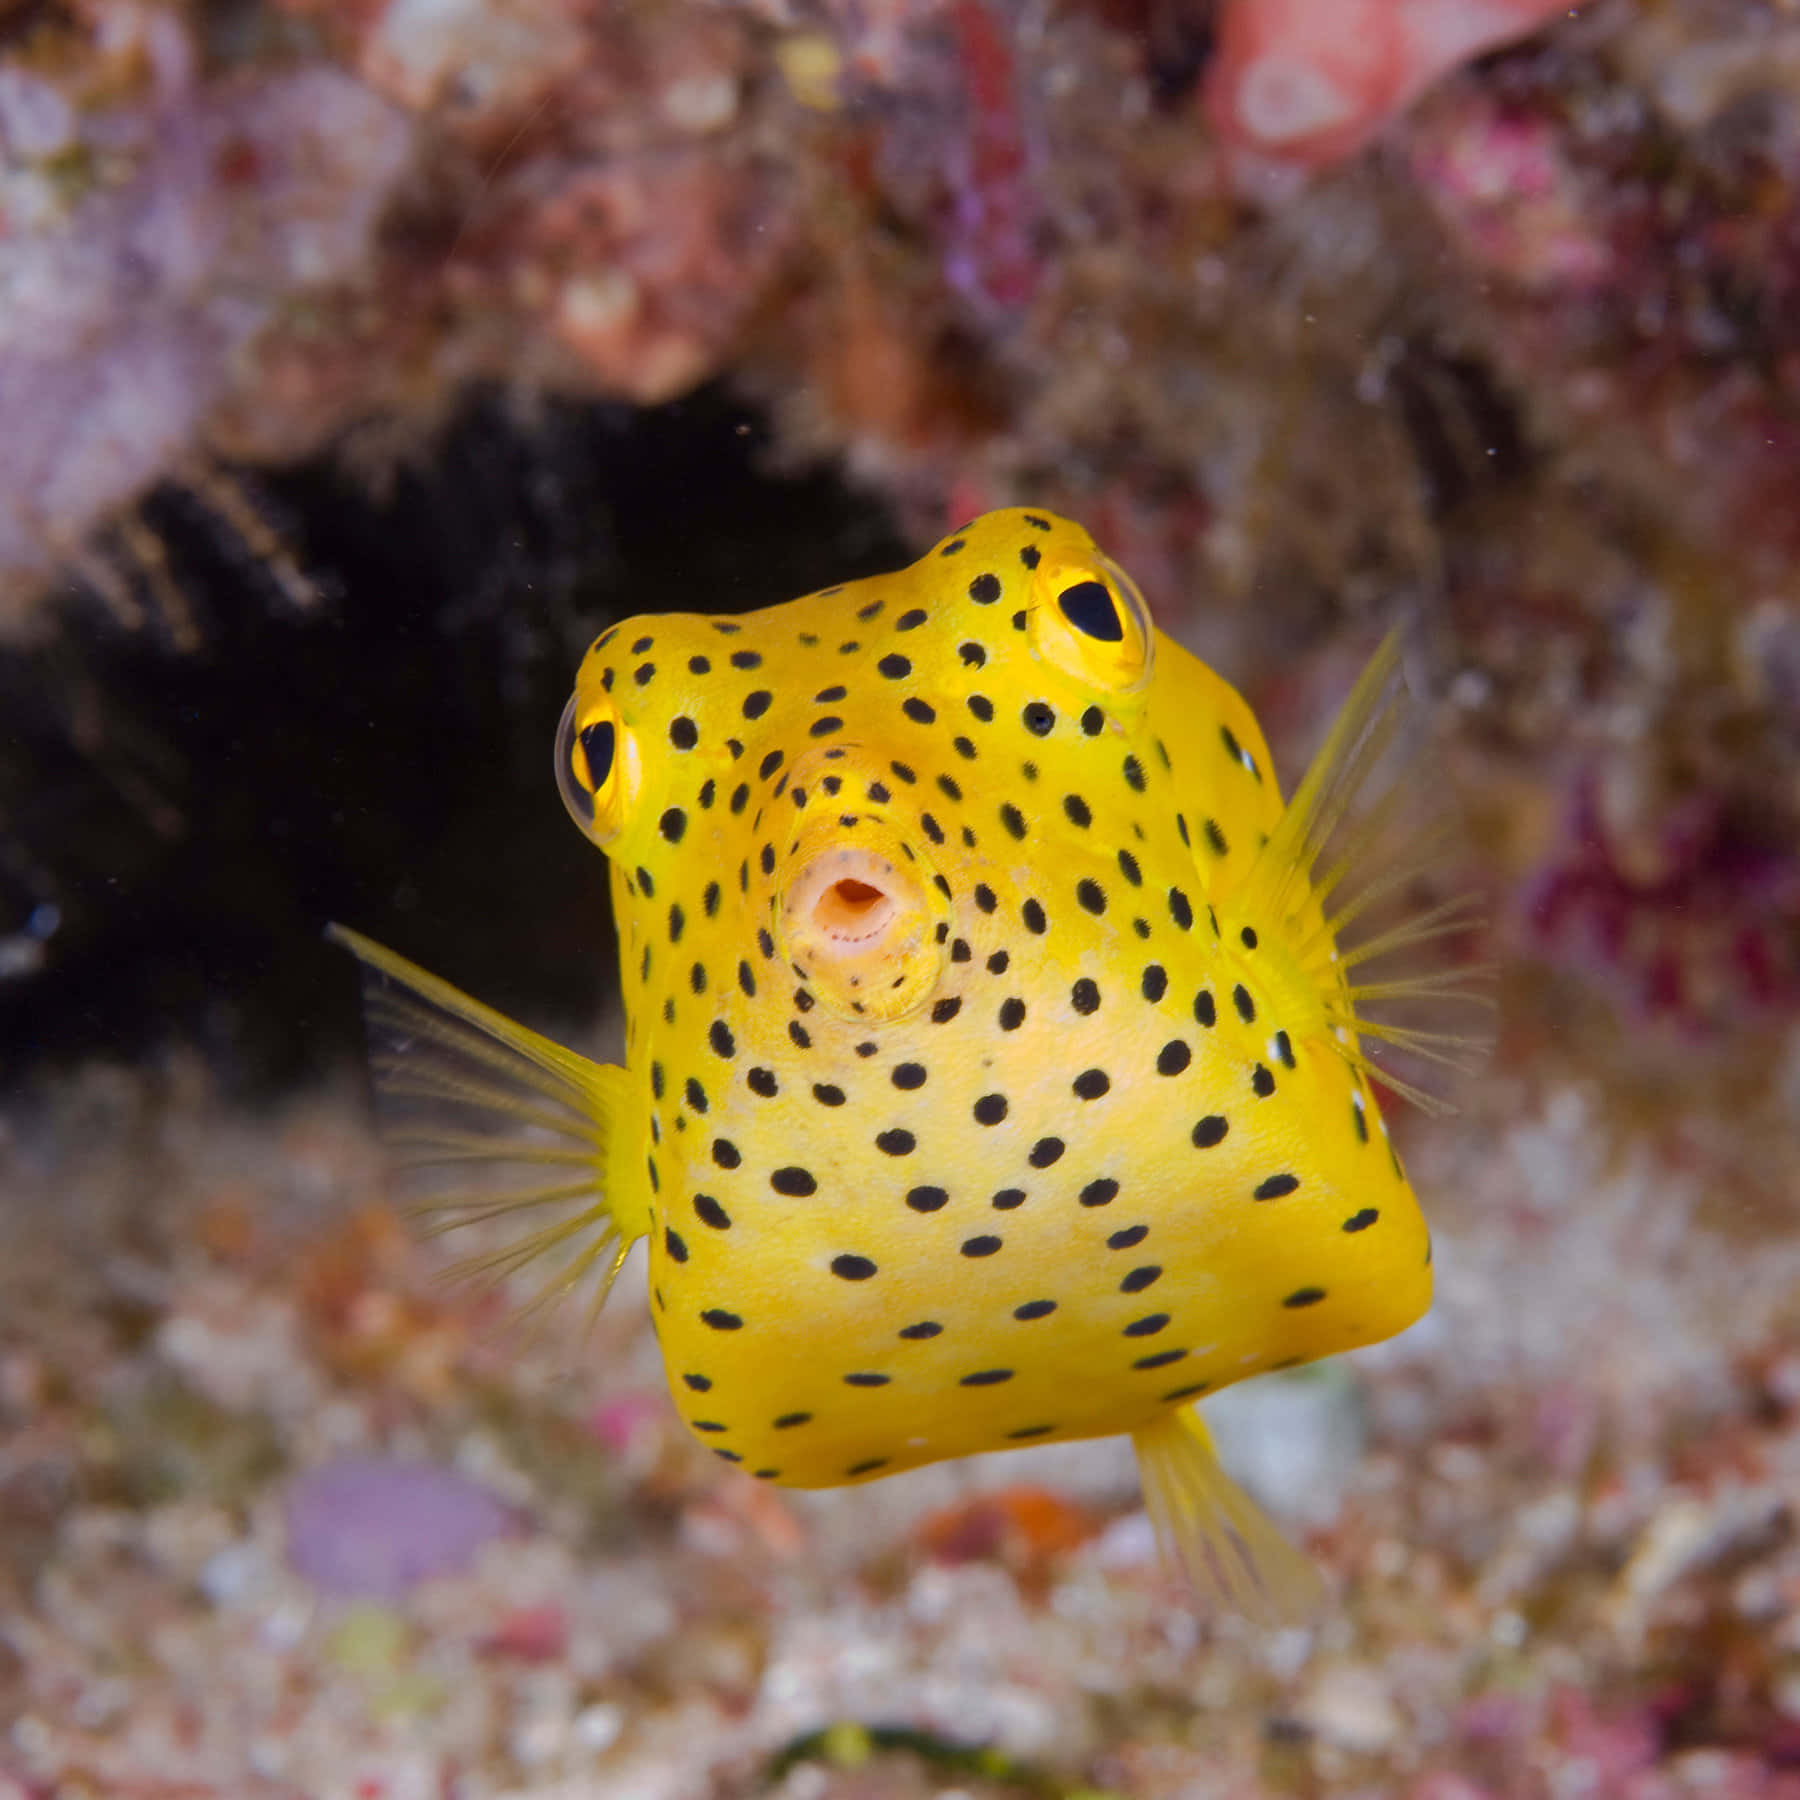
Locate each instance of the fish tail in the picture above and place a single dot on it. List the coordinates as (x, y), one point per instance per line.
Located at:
(496, 1129)
(1212, 1533)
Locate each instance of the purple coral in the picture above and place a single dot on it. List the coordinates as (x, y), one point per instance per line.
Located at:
(369, 1528)
(142, 251)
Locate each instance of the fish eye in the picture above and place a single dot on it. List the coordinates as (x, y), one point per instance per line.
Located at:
(1088, 606)
(598, 742)
(587, 766)
(1091, 621)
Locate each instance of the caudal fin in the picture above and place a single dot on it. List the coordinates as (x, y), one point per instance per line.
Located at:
(1213, 1533)
(492, 1122)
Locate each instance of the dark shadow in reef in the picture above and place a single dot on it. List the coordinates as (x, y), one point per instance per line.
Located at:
(176, 827)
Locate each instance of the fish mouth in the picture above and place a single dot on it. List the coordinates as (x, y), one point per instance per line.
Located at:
(855, 910)
(859, 917)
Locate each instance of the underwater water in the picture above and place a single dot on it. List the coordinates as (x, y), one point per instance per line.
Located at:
(361, 370)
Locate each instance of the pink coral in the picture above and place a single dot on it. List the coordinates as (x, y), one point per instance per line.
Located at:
(1310, 82)
(1694, 917)
(1502, 181)
(996, 214)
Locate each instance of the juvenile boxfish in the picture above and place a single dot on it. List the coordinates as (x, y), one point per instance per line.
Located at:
(993, 1071)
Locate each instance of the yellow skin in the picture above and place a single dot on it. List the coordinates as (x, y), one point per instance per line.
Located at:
(991, 1075)
(1044, 1280)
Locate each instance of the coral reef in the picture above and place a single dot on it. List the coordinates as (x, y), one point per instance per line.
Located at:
(356, 358)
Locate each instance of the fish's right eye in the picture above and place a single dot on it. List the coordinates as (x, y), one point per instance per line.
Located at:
(598, 743)
(587, 765)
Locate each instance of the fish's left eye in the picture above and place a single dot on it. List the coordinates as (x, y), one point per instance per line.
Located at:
(1088, 606)
(1091, 621)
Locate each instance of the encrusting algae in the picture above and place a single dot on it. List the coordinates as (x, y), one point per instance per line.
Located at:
(993, 1072)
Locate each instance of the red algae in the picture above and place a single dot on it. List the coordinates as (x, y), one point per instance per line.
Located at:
(1311, 82)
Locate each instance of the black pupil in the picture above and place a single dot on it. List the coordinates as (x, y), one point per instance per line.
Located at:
(597, 746)
(1089, 608)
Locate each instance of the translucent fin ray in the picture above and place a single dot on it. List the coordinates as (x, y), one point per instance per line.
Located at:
(1364, 833)
(1212, 1533)
(520, 1124)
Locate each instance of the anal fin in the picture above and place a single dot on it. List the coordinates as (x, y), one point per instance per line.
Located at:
(1213, 1533)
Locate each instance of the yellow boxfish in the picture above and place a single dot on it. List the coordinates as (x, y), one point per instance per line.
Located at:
(993, 1072)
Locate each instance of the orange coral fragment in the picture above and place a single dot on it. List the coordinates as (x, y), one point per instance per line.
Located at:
(1024, 1527)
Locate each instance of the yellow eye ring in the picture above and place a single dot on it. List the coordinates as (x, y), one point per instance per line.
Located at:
(1090, 621)
(590, 750)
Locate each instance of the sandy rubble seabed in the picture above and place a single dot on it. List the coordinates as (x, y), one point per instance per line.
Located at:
(1557, 1514)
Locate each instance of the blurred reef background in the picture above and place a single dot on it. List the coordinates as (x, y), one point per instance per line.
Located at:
(360, 358)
